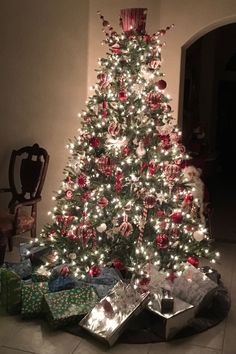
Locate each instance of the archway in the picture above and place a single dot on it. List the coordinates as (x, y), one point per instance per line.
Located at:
(208, 94)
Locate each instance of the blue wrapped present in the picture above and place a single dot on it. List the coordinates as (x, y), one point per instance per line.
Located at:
(23, 268)
(105, 281)
(61, 283)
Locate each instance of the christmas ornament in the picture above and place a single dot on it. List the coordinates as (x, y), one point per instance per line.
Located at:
(161, 84)
(165, 141)
(119, 176)
(69, 194)
(116, 48)
(126, 229)
(122, 95)
(133, 20)
(95, 142)
(162, 241)
(102, 202)
(105, 164)
(166, 108)
(154, 64)
(82, 180)
(118, 264)
(140, 151)
(177, 217)
(101, 228)
(188, 199)
(150, 201)
(104, 80)
(72, 256)
(198, 235)
(64, 270)
(125, 151)
(154, 100)
(114, 128)
(94, 271)
(194, 261)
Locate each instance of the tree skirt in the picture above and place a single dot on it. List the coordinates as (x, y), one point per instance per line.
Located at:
(146, 327)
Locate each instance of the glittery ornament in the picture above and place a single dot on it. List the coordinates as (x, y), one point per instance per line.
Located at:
(167, 108)
(126, 229)
(188, 199)
(177, 217)
(94, 271)
(102, 202)
(95, 142)
(118, 264)
(104, 80)
(82, 180)
(193, 260)
(150, 201)
(125, 151)
(162, 241)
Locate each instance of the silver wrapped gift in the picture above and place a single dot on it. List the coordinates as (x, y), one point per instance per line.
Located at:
(108, 318)
(194, 287)
(171, 322)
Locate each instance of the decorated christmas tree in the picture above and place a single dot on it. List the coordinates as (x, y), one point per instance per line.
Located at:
(124, 201)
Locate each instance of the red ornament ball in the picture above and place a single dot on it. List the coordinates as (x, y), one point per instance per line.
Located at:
(122, 95)
(177, 217)
(125, 151)
(161, 84)
(95, 142)
(193, 260)
(150, 201)
(94, 271)
(118, 264)
(162, 241)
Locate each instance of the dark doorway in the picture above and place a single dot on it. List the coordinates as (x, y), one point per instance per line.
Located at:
(209, 122)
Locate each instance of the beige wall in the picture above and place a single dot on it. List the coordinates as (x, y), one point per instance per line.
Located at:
(43, 80)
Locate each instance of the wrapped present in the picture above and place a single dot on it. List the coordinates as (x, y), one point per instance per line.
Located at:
(66, 306)
(23, 268)
(105, 281)
(108, 318)
(32, 298)
(61, 283)
(194, 287)
(173, 321)
(37, 254)
(10, 296)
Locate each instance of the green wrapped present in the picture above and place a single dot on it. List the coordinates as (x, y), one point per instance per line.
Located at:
(32, 298)
(10, 297)
(66, 306)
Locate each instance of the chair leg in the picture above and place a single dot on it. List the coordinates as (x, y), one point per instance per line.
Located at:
(10, 244)
(2, 253)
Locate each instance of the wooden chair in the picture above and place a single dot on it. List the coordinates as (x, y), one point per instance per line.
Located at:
(27, 172)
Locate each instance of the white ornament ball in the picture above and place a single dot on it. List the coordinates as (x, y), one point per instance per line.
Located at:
(102, 227)
(198, 235)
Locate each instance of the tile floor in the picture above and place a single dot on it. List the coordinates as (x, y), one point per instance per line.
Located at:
(18, 336)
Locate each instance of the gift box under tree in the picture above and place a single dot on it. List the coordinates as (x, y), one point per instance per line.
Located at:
(10, 296)
(108, 318)
(32, 295)
(172, 320)
(66, 306)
